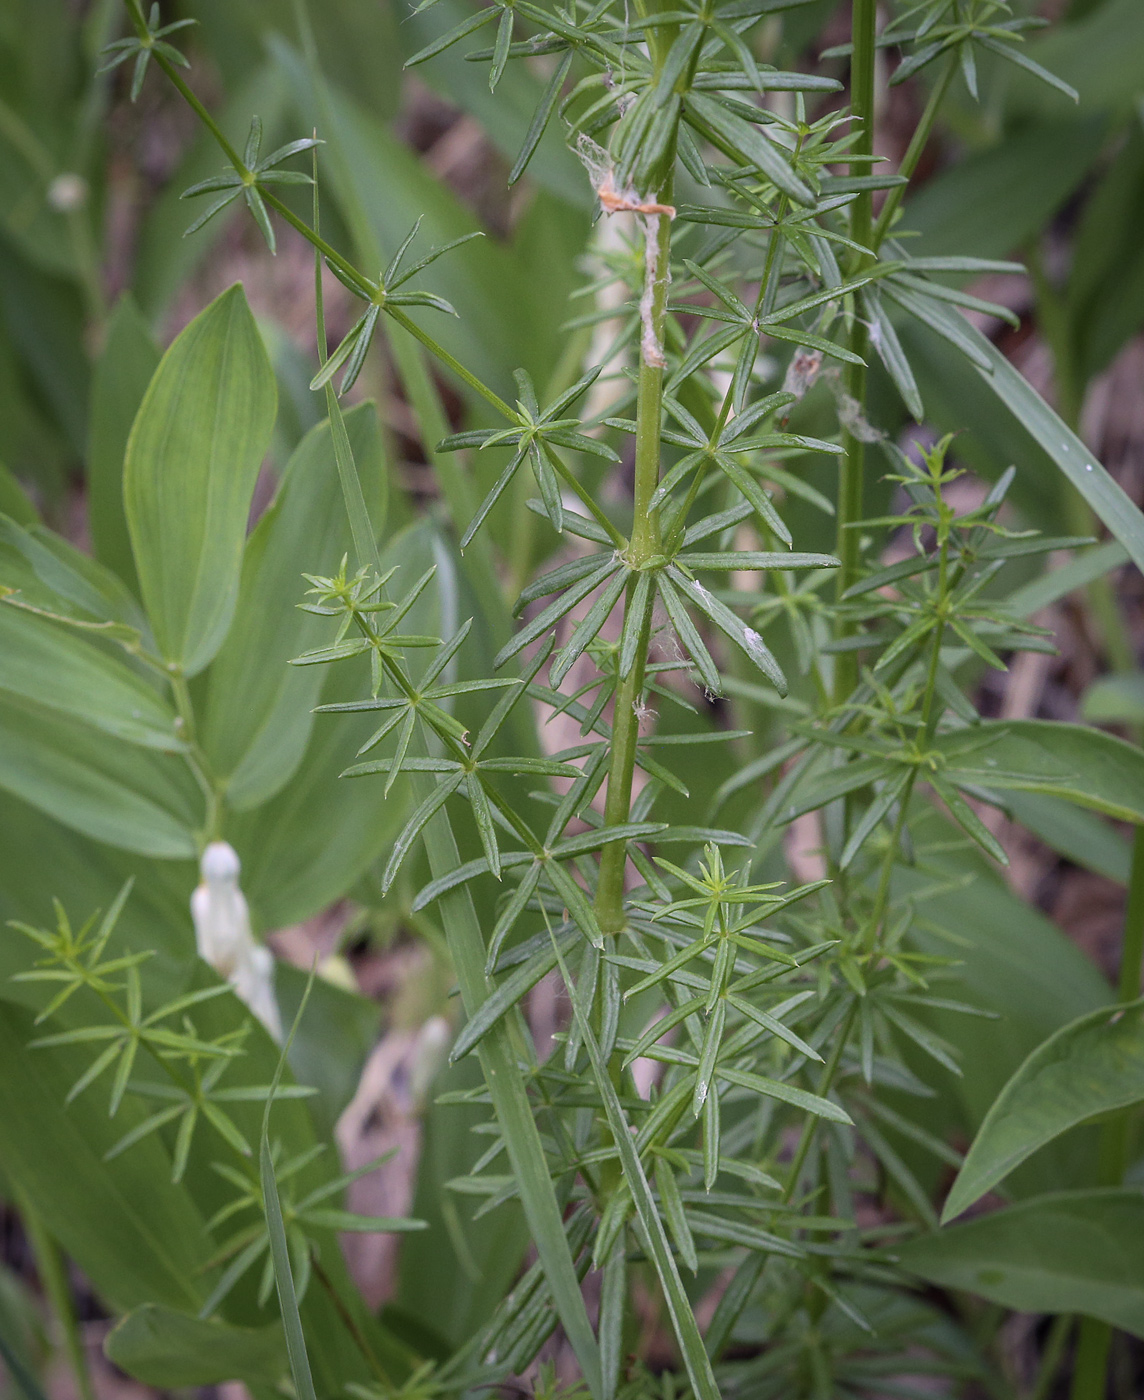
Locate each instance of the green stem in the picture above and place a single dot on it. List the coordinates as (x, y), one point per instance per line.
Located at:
(645, 540)
(1051, 1356)
(53, 1279)
(1089, 1374)
(609, 904)
(196, 759)
(349, 1322)
(825, 1083)
(863, 33)
(645, 545)
(913, 153)
(1091, 1368)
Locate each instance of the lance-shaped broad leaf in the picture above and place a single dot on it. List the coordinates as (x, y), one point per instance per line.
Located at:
(247, 182)
(142, 46)
(532, 436)
(382, 295)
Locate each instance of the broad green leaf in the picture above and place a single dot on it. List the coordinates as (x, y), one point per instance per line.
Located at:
(122, 373)
(22, 1340)
(55, 669)
(1078, 834)
(39, 856)
(1082, 569)
(175, 1350)
(1011, 960)
(1093, 1065)
(137, 1237)
(258, 714)
(332, 1041)
(135, 798)
(44, 318)
(992, 202)
(1085, 766)
(39, 570)
(192, 462)
(1071, 1251)
(452, 1276)
(309, 843)
(358, 44)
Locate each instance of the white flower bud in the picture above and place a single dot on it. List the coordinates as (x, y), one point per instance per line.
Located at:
(67, 192)
(222, 932)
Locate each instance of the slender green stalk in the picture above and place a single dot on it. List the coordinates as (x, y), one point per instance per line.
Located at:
(645, 542)
(194, 756)
(26, 1381)
(863, 32)
(825, 1083)
(1091, 1368)
(909, 162)
(1089, 1375)
(1051, 1356)
(53, 1279)
(349, 1322)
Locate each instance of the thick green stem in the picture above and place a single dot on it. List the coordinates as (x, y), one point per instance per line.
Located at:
(617, 805)
(1089, 1374)
(863, 33)
(645, 522)
(645, 545)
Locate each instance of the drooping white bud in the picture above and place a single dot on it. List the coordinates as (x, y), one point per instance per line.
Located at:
(222, 932)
